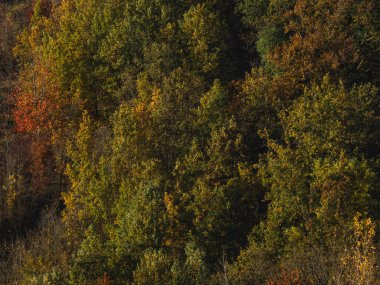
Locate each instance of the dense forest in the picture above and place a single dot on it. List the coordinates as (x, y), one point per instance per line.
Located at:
(190, 142)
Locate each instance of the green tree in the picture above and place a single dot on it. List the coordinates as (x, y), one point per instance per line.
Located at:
(325, 172)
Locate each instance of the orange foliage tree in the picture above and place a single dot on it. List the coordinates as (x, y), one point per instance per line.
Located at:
(336, 37)
(36, 106)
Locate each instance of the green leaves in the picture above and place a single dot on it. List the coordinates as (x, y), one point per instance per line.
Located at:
(175, 151)
(325, 172)
(203, 29)
(329, 118)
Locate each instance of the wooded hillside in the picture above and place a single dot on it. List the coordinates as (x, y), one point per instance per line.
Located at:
(189, 142)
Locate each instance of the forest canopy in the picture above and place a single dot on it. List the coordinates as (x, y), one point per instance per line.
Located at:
(189, 142)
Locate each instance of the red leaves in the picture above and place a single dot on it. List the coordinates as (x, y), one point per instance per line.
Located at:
(35, 101)
(286, 278)
(36, 106)
(105, 280)
(30, 113)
